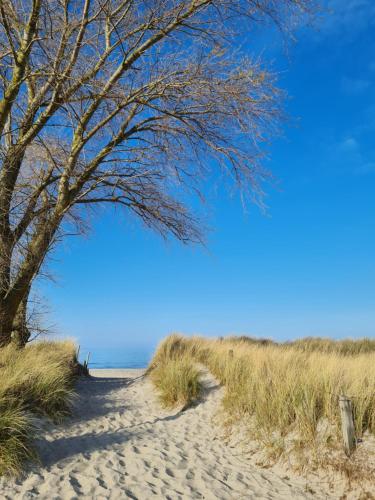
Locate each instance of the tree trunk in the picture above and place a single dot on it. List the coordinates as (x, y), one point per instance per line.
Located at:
(6, 324)
(13, 321)
(20, 330)
(13, 305)
(6, 314)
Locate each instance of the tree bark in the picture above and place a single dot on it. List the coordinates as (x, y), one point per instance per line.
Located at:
(13, 302)
(6, 313)
(6, 323)
(20, 331)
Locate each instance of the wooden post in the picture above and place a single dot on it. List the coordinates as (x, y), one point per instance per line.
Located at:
(347, 423)
(86, 363)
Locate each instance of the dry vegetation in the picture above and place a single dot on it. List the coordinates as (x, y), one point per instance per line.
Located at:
(286, 395)
(175, 376)
(34, 381)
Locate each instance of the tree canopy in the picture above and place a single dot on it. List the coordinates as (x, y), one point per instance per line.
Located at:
(127, 102)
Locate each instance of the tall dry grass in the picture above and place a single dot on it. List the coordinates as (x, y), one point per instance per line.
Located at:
(174, 374)
(346, 347)
(34, 381)
(287, 389)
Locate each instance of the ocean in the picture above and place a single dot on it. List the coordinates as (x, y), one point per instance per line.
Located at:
(120, 357)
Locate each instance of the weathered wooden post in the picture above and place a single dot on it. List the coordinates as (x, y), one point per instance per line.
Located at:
(86, 363)
(347, 423)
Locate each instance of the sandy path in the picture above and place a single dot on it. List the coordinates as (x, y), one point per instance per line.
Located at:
(121, 444)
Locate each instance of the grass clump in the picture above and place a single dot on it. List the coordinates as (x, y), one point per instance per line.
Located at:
(34, 381)
(16, 431)
(177, 381)
(174, 372)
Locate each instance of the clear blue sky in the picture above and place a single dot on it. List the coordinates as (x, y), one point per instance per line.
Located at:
(306, 267)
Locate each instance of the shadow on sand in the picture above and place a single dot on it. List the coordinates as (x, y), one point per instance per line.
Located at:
(96, 399)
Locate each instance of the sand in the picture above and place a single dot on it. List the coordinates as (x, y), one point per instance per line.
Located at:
(122, 444)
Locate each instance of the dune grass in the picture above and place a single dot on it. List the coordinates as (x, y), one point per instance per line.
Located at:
(34, 381)
(175, 375)
(16, 431)
(346, 347)
(177, 381)
(283, 390)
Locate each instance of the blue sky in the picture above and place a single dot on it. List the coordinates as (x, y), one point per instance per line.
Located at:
(305, 267)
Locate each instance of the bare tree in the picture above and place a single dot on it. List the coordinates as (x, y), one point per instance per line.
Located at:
(128, 102)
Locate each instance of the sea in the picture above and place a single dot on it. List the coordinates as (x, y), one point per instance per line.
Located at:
(117, 357)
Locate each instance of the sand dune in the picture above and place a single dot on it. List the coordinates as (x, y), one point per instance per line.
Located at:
(121, 444)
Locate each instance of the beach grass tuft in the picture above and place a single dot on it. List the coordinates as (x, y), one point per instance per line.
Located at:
(35, 381)
(16, 433)
(175, 373)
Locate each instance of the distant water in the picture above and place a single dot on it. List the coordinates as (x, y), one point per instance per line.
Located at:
(122, 357)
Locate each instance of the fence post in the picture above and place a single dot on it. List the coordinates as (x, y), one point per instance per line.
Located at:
(86, 363)
(347, 423)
